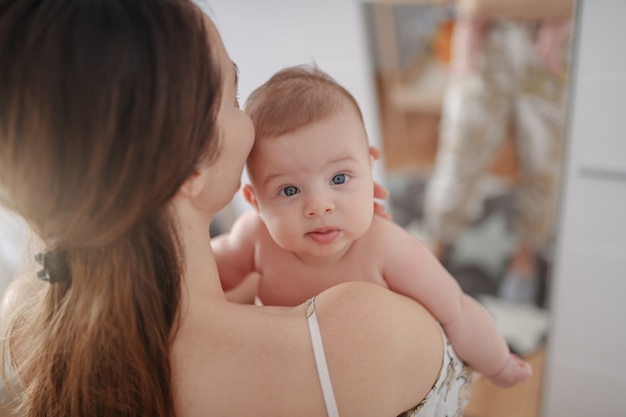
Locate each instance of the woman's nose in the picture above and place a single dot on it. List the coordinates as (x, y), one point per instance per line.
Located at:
(319, 205)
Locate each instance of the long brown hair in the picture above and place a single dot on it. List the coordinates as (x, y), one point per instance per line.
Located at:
(106, 107)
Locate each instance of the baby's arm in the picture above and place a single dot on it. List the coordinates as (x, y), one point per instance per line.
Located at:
(234, 251)
(412, 270)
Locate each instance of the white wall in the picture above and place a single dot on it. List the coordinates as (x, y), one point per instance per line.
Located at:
(586, 362)
(265, 36)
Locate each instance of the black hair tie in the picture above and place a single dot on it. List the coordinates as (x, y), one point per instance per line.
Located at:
(55, 267)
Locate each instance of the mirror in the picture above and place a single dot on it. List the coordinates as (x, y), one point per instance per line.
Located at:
(466, 154)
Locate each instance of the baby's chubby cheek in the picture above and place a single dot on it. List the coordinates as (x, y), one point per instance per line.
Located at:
(364, 221)
(281, 232)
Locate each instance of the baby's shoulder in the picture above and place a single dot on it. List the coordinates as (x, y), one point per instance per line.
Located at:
(383, 232)
(392, 242)
(382, 225)
(249, 223)
(250, 218)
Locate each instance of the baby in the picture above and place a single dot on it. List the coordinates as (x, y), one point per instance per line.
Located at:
(314, 225)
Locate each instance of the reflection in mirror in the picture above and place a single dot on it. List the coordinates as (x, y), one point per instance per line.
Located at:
(472, 116)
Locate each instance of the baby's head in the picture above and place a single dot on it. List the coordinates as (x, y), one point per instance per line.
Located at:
(310, 167)
(295, 97)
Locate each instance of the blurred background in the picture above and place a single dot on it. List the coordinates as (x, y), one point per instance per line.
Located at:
(394, 57)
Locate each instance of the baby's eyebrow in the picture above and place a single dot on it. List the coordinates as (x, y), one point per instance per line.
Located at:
(274, 176)
(343, 158)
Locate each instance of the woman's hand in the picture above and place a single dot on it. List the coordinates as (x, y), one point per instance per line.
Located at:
(379, 190)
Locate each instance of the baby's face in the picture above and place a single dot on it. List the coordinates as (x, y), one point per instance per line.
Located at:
(314, 186)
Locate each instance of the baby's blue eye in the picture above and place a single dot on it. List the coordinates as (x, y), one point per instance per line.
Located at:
(289, 190)
(340, 179)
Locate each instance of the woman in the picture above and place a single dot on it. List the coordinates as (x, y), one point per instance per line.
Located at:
(120, 139)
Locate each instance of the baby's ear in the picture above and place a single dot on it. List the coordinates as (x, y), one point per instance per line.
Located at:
(250, 196)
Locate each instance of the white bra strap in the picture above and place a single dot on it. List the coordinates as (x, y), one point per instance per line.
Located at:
(320, 360)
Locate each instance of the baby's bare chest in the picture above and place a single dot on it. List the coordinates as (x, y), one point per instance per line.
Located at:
(286, 280)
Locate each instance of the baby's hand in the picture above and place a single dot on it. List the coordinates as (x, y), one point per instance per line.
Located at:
(515, 370)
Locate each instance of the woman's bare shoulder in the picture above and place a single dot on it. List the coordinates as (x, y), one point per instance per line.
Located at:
(380, 343)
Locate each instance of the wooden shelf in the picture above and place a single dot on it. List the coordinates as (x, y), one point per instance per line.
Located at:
(424, 94)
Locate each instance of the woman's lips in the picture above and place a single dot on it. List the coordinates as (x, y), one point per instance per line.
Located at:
(324, 235)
